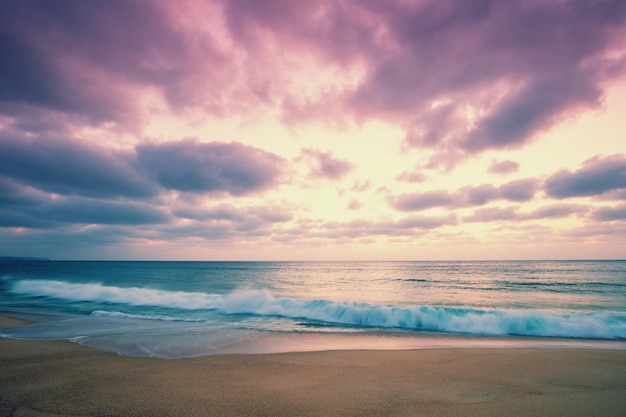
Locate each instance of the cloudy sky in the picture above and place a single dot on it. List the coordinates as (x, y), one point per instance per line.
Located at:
(296, 130)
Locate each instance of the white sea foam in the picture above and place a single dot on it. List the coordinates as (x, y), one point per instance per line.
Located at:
(491, 322)
(159, 317)
(109, 294)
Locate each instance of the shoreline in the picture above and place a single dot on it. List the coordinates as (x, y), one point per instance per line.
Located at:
(316, 342)
(49, 378)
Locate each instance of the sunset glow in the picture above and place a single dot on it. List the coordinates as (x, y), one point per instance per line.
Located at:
(326, 130)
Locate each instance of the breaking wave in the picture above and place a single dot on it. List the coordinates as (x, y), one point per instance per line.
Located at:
(468, 320)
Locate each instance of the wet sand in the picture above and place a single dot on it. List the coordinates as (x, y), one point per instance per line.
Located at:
(59, 378)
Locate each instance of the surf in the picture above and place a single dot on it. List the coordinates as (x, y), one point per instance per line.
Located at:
(405, 317)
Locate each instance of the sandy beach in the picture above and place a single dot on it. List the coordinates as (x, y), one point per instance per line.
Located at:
(59, 378)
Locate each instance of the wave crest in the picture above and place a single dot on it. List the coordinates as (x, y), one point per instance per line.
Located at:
(489, 322)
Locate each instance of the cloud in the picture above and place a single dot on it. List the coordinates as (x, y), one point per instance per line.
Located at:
(422, 222)
(479, 195)
(227, 212)
(598, 175)
(361, 186)
(89, 211)
(58, 212)
(503, 167)
(413, 177)
(418, 73)
(68, 167)
(518, 190)
(491, 214)
(324, 165)
(459, 77)
(554, 211)
(607, 214)
(354, 204)
(193, 166)
(496, 59)
(71, 167)
(307, 229)
(423, 201)
(86, 58)
(538, 106)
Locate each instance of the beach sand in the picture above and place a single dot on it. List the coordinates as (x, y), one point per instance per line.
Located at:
(59, 378)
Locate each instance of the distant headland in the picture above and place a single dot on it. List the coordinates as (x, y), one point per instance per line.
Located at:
(22, 258)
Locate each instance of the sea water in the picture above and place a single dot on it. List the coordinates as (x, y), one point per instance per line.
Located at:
(183, 309)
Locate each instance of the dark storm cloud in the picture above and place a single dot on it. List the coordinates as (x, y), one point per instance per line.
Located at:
(193, 166)
(598, 175)
(70, 167)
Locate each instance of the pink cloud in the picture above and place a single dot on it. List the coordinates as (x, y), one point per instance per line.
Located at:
(503, 167)
(324, 165)
(598, 175)
(522, 67)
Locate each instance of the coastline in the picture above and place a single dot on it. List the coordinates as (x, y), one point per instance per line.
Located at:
(49, 378)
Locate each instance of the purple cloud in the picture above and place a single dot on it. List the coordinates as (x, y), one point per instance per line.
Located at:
(324, 165)
(58, 212)
(422, 222)
(522, 67)
(607, 214)
(554, 211)
(414, 177)
(193, 166)
(482, 194)
(596, 176)
(226, 212)
(503, 167)
(85, 57)
(354, 204)
(70, 167)
(494, 56)
(491, 214)
(89, 211)
(499, 59)
(423, 201)
(359, 228)
(518, 190)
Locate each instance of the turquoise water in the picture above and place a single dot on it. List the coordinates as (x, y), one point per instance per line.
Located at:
(179, 309)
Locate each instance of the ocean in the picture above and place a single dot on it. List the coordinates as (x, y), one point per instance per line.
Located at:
(184, 309)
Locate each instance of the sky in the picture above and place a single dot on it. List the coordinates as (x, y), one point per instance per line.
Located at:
(313, 130)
